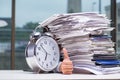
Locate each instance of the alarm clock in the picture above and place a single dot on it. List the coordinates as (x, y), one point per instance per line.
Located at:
(42, 52)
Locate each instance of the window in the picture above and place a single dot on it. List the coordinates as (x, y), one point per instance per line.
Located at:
(5, 34)
(30, 12)
(27, 18)
(118, 26)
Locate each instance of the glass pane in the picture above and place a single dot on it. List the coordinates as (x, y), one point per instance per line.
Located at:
(5, 33)
(118, 27)
(27, 18)
(98, 6)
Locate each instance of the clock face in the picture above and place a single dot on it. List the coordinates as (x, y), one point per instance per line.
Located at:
(47, 53)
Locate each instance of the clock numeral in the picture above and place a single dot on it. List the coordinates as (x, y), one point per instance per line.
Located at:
(51, 63)
(37, 53)
(47, 65)
(39, 48)
(49, 43)
(39, 59)
(53, 48)
(55, 53)
(41, 44)
(45, 42)
(54, 59)
(42, 63)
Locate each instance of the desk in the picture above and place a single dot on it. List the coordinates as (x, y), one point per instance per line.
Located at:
(25, 75)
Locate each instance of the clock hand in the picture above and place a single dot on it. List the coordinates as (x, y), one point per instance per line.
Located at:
(44, 51)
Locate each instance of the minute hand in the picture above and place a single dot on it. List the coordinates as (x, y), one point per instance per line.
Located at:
(45, 52)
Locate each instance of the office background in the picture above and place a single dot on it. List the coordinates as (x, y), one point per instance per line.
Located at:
(23, 16)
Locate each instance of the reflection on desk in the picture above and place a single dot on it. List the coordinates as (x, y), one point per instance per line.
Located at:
(20, 75)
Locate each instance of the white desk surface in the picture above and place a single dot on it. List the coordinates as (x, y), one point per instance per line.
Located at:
(24, 75)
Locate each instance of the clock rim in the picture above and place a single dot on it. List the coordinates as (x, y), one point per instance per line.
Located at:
(32, 56)
(58, 53)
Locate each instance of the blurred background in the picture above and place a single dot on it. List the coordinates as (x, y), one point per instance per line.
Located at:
(22, 16)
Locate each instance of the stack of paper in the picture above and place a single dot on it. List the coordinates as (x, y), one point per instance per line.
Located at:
(83, 35)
